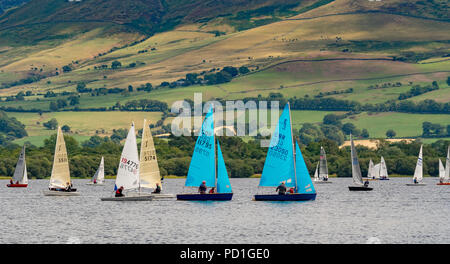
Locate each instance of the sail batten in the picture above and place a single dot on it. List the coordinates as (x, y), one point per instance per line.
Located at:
(149, 174)
(60, 177)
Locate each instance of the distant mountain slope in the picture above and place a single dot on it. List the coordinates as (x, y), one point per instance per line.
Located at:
(7, 4)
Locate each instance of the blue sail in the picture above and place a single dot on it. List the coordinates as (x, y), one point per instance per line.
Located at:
(304, 181)
(203, 167)
(279, 164)
(223, 182)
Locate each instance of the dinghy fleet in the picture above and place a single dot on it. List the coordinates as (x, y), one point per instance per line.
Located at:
(138, 176)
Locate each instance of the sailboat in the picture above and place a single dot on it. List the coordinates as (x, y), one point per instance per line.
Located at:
(376, 172)
(383, 174)
(444, 172)
(203, 166)
(149, 175)
(358, 184)
(316, 173)
(99, 176)
(60, 183)
(20, 178)
(323, 168)
(285, 164)
(418, 173)
(127, 177)
(370, 170)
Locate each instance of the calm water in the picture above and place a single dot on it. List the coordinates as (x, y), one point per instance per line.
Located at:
(391, 213)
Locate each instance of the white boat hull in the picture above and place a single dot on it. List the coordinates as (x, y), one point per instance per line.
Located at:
(415, 184)
(159, 196)
(128, 198)
(60, 193)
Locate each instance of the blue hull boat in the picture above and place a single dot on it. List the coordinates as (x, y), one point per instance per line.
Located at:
(286, 197)
(205, 197)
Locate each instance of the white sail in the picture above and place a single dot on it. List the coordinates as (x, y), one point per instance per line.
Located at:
(447, 166)
(441, 171)
(99, 175)
(356, 169)
(60, 177)
(370, 170)
(128, 171)
(20, 173)
(323, 167)
(418, 173)
(376, 171)
(149, 174)
(316, 173)
(383, 169)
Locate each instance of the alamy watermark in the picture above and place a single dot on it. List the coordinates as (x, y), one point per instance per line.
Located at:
(236, 118)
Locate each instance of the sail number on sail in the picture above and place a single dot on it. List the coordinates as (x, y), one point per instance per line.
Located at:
(129, 165)
(278, 151)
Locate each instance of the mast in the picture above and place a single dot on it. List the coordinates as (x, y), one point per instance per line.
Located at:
(293, 147)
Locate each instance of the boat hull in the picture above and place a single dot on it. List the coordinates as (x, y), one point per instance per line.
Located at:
(91, 183)
(160, 196)
(17, 185)
(443, 183)
(359, 188)
(286, 197)
(384, 179)
(205, 197)
(128, 198)
(60, 193)
(415, 184)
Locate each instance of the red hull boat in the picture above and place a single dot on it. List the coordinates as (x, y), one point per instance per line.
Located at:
(17, 185)
(443, 183)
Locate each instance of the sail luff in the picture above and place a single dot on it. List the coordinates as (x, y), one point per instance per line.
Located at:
(294, 159)
(149, 174)
(60, 177)
(20, 173)
(418, 172)
(356, 170)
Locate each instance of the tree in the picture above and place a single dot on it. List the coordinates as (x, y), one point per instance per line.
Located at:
(243, 70)
(65, 128)
(390, 133)
(52, 124)
(130, 88)
(116, 64)
(331, 119)
(365, 133)
(348, 128)
(53, 106)
(66, 68)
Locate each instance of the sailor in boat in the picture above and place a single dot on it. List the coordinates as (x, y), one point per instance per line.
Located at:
(11, 181)
(366, 184)
(202, 188)
(213, 190)
(157, 189)
(281, 189)
(119, 192)
(95, 181)
(291, 190)
(415, 181)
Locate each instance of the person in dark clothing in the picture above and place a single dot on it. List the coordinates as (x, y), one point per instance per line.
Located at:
(213, 190)
(202, 188)
(119, 192)
(366, 183)
(157, 189)
(281, 189)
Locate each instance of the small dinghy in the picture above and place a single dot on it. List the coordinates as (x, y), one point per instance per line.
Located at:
(383, 170)
(127, 179)
(99, 176)
(203, 166)
(444, 173)
(284, 164)
(358, 184)
(322, 176)
(20, 178)
(149, 175)
(418, 173)
(60, 183)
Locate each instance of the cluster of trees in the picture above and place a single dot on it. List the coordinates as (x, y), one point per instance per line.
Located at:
(322, 94)
(243, 159)
(418, 90)
(435, 130)
(11, 128)
(331, 128)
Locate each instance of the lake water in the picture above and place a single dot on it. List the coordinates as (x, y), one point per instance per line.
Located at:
(391, 213)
